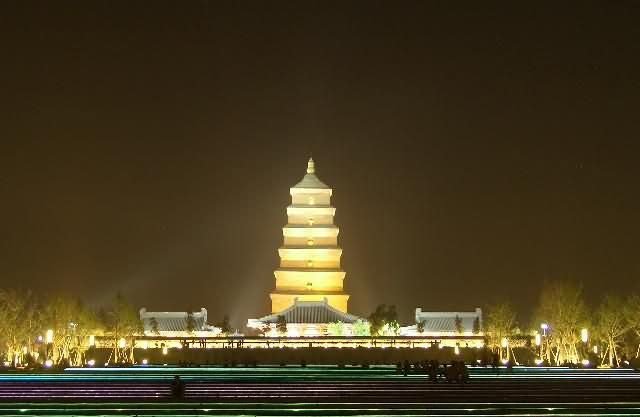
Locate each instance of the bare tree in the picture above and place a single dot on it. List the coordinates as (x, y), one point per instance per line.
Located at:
(562, 307)
(71, 324)
(500, 325)
(19, 322)
(611, 325)
(123, 324)
(458, 324)
(632, 317)
(476, 325)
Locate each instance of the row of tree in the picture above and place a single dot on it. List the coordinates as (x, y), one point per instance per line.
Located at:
(61, 328)
(564, 329)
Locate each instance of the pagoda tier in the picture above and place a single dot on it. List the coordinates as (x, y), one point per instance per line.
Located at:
(310, 256)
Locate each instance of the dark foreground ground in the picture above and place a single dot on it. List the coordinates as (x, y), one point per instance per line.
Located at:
(317, 391)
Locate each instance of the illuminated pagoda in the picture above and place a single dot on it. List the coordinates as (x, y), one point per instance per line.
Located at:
(309, 277)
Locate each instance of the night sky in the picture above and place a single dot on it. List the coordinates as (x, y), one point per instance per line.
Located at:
(476, 149)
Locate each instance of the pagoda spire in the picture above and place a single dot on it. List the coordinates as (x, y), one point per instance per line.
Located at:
(311, 167)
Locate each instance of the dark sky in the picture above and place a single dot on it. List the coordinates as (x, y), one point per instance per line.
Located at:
(475, 148)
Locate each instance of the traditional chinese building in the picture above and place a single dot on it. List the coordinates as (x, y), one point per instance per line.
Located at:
(445, 323)
(177, 323)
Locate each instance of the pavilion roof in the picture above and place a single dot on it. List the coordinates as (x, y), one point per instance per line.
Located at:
(311, 312)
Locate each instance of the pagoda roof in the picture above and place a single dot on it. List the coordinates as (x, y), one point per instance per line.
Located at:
(310, 180)
(311, 312)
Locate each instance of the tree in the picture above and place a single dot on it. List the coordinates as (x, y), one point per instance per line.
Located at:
(384, 320)
(281, 325)
(632, 317)
(191, 323)
(500, 324)
(420, 326)
(153, 322)
(19, 322)
(361, 328)
(562, 307)
(458, 324)
(611, 326)
(335, 329)
(476, 325)
(123, 325)
(225, 325)
(71, 324)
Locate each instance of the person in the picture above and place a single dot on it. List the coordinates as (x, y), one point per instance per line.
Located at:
(177, 388)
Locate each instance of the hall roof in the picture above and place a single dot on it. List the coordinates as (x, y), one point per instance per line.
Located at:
(311, 312)
(445, 321)
(173, 321)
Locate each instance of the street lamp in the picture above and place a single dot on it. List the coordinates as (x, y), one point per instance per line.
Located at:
(48, 338)
(538, 339)
(584, 335)
(544, 327)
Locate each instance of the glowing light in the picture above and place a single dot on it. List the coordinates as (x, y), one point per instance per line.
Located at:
(505, 342)
(40, 338)
(122, 343)
(48, 363)
(595, 349)
(456, 350)
(145, 361)
(91, 362)
(24, 350)
(165, 350)
(92, 340)
(504, 361)
(585, 362)
(538, 339)
(584, 335)
(544, 327)
(49, 336)
(538, 361)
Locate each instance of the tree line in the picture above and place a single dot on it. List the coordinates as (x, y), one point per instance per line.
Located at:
(564, 329)
(62, 328)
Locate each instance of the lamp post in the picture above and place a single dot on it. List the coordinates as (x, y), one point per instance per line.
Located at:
(505, 345)
(48, 338)
(544, 342)
(584, 336)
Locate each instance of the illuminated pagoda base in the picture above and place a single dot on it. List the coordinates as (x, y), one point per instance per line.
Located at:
(307, 319)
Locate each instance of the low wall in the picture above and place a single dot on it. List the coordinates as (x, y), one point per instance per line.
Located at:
(296, 356)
